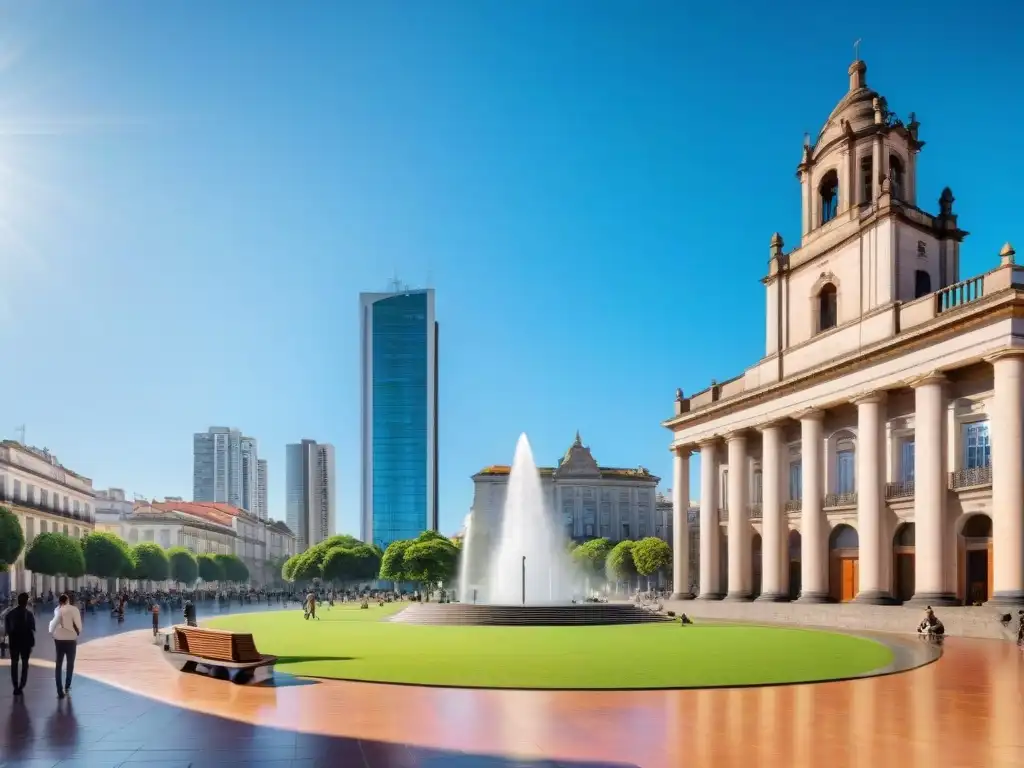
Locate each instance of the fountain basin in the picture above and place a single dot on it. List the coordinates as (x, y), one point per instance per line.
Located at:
(545, 615)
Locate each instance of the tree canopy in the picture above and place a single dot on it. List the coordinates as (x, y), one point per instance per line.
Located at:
(184, 568)
(592, 555)
(150, 560)
(430, 559)
(12, 540)
(107, 555)
(55, 554)
(232, 567)
(650, 555)
(209, 568)
(392, 564)
(619, 564)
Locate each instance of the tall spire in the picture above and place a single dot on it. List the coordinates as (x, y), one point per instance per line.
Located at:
(578, 442)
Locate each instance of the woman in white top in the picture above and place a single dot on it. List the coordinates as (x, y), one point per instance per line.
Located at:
(65, 627)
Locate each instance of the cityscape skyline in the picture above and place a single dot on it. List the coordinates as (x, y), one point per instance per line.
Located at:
(534, 239)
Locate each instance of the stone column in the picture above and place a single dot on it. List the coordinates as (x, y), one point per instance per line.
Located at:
(710, 581)
(931, 584)
(871, 499)
(739, 521)
(680, 525)
(1007, 420)
(774, 544)
(813, 542)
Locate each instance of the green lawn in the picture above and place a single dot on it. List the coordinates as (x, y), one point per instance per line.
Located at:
(354, 644)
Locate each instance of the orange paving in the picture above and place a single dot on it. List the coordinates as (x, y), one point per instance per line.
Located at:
(967, 709)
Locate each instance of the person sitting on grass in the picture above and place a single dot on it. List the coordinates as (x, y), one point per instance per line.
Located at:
(931, 625)
(684, 620)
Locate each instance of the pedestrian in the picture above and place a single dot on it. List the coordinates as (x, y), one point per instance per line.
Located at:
(190, 613)
(156, 618)
(65, 627)
(20, 627)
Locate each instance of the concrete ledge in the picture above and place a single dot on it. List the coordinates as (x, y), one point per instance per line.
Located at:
(959, 621)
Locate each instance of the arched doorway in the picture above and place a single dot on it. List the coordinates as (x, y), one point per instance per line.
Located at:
(755, 565)
(794, 564)
(844, 563)
(975, 560)
(903, 562)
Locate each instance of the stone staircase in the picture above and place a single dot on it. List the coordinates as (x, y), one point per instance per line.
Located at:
(580, 614)
(959, 621)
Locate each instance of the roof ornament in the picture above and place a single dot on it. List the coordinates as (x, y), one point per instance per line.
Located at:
(946, 201)
(1006, 255)
(578, 443)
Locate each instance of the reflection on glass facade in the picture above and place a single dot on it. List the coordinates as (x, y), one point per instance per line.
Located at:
(401, 416)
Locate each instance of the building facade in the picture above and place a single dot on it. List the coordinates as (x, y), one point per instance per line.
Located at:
(225, 468)
(45, 496)
(588, 500)
(664, 507)
(399, 415)
(262, 511)
(310, 492)
(876, 451)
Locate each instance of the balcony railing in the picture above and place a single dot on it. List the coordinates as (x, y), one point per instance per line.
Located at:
(960, 293)
(754, 511)
(67, 514)
(900, 490)
(840, 499)
(970, 478)
(794, 505)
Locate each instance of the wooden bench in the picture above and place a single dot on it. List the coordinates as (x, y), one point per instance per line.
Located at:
(219, 649)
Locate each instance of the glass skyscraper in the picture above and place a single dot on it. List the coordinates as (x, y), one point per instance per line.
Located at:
(399, 415)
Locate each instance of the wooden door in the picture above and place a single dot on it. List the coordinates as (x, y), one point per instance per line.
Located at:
(835, 578)
(849, 578)
(962, 589)
(991, 562)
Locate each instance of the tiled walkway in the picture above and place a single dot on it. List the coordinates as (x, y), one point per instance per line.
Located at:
(130, 707)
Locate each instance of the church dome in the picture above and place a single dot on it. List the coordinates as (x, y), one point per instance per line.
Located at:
(857, 107)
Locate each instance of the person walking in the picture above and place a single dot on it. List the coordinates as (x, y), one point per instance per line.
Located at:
(20, 627)
(65, 627)
(156, 618)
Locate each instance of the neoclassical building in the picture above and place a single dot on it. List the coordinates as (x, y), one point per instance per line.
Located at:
(590, 500)
(876, 451)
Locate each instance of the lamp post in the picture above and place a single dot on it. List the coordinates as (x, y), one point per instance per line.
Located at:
(524, 579)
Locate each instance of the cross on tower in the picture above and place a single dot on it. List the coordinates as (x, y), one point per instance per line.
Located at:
(856, 49)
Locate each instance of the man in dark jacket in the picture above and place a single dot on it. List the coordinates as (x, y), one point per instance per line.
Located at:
(20, 626)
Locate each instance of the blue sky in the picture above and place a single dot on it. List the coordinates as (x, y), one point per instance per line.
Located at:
(193, 194)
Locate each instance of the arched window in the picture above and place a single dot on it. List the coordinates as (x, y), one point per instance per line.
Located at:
(829, 192)
(867, 181)
(827, 304)
(922, 284)
(897, 177)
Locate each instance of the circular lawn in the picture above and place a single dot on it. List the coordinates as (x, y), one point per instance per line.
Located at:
(349, 643)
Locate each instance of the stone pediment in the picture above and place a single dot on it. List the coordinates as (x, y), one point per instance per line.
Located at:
(578, 462)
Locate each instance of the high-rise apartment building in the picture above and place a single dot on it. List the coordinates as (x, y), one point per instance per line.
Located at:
(261, 489)
(309, 491)
(399, 415)
(224, 468)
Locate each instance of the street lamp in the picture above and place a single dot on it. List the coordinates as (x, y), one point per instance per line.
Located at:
(524, 579)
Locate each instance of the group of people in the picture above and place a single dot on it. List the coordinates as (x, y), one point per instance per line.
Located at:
(65, 627)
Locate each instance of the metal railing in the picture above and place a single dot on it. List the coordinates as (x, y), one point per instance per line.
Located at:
(67, 514)
(840, 499)
(754, 511)
(900, 490)
(795, 505)
(970, 477)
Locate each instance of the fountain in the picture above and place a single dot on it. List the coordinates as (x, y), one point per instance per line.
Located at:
(528, 576)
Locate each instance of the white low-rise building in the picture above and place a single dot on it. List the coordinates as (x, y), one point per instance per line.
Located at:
(46, 497)
(876, 451)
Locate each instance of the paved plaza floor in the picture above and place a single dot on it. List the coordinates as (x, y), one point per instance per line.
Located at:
(130, 707)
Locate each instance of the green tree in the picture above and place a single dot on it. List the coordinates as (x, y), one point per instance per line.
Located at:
(392, 564)
(651, 555)
(620, 566)
(431, 560)
(591, 556)
(233, 568)
(183, 566)
(12, 539)
(107, 556)
(151, 563)
(209, 568)
(309, 566)
(341, 564)
(368, 558)
(55, 554)
(288, 568)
